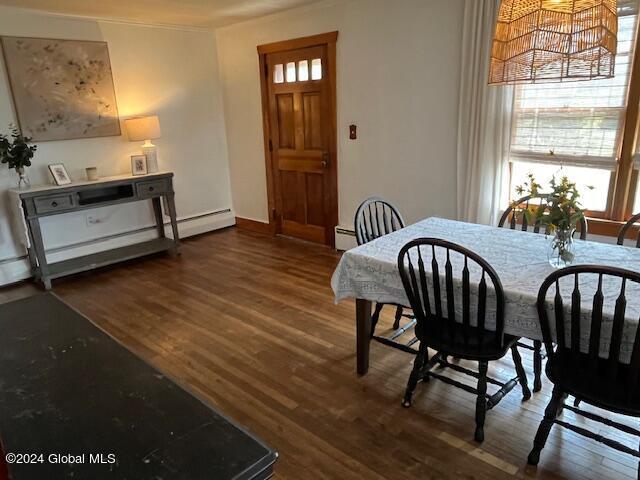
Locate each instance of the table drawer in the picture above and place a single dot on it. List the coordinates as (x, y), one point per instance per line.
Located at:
(53, 203)
(151, 189)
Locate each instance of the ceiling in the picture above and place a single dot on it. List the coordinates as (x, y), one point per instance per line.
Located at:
(190, 13)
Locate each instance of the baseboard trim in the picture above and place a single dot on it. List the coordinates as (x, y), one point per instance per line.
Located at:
(255, 226)
(13, 270)
(345, 239)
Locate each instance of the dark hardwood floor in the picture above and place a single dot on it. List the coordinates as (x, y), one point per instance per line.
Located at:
(248, 322)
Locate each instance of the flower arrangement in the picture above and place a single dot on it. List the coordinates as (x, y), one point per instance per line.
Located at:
(529, 187)
(17, 153)
(559, 211)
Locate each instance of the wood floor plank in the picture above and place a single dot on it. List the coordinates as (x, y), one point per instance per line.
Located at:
(248, 323)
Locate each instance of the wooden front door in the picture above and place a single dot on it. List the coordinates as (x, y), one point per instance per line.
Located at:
(301, 116)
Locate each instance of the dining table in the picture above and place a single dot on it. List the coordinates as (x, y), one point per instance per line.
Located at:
(369, 273)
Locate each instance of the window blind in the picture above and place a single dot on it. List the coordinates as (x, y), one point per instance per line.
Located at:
(576, 123)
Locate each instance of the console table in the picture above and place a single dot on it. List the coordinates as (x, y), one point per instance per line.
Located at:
(37, 202)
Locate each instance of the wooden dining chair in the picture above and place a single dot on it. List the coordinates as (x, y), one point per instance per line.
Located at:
(454, 333)
(376, 217)
(624, 231)
(596, 377)
(514, 219)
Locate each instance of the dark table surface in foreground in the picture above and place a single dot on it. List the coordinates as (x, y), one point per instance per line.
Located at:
(69, 389)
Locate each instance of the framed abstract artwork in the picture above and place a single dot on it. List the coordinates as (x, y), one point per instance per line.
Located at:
(62, 89)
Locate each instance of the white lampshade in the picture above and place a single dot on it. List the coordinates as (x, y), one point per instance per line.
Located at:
(143, 128)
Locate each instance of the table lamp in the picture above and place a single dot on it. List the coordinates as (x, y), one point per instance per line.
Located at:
(145, 129)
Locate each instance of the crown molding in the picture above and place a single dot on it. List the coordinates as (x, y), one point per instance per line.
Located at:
(275, 16)
(106, 19)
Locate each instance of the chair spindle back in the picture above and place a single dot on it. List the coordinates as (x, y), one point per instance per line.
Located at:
(625, 229)
(433, 320)
(567, 357)
(376, 217)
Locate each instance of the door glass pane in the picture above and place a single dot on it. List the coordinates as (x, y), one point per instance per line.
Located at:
(303, 70)
(278, 73)
(316, 69)
(291, 72)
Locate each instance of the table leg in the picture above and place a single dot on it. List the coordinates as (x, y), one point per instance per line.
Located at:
(363, 333)
(33, 259)
(171, 206)
(40, 254)
(157, 210)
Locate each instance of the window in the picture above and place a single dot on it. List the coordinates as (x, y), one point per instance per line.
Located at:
(576, 128)
(287, 72)
(291, 72)
(316, 69)
(592, 183)
(303, 70)
(636, 202)
(278, 73)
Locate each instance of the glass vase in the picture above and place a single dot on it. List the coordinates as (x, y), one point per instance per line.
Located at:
(23, 180)
(561, 248)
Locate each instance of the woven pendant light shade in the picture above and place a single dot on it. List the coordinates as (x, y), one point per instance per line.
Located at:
(554, 41)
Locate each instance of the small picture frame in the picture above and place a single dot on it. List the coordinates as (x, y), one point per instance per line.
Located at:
(60, 174)
(138, 164)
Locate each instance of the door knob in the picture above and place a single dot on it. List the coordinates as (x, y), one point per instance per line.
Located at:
(325, 159)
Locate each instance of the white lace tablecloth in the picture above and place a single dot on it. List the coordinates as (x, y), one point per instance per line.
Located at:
(370, 272)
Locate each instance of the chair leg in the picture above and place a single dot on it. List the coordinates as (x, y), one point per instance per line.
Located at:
(550, 414)
(576, 403)
(424, 373)
(375, 317)
(418, 363)
(537, 365)
(481, 401)
(522, 376)
(396, 323)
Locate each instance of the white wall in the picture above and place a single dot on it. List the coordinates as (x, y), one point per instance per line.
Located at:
(172, 73)
(397, 80)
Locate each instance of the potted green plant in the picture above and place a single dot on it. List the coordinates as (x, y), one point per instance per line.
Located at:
(559, 211)
(16, 152)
